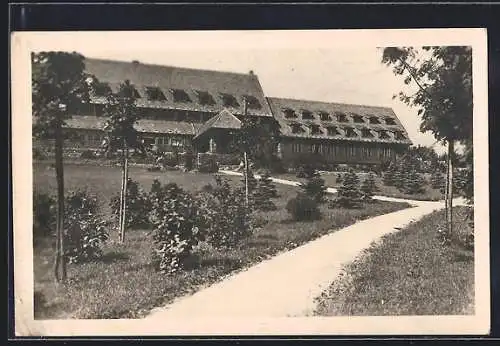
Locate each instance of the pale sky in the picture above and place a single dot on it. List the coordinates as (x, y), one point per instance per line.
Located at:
(302, 65)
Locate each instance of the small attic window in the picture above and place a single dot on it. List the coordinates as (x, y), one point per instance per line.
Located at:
(332, 131)
(349, 132)
(366, 133)
(324, 116)
(289, 113)
(373, 119)
(399, 135)
(229, 100)
(382, 134)
(315, 129)
(135, 93)
(180, 95)
(155, 94)
(102, 89)
(341, 117)
(390, 121)
(296, 128)
(252, 102)
(307, 115)
(357, 118)
(204, 97)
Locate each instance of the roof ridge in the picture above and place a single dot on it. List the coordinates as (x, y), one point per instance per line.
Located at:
(169, 66)
(326, 102)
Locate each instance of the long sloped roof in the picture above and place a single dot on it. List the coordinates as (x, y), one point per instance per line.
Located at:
(305, 126)
(192, 81)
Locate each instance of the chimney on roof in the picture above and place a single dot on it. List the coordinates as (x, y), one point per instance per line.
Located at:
(251, 72)
(135, 62)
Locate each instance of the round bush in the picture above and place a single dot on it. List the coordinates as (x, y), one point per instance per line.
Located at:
(303, 208)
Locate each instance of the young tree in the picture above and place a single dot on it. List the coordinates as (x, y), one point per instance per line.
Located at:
(264, 193)
(121, 136)
(369, 187)
(443, 78)
(314, 186)
(349, 194)
(59, 86)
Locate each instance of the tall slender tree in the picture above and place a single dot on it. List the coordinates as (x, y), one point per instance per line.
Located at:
(59, 86)
(443, 80)
(121, 135)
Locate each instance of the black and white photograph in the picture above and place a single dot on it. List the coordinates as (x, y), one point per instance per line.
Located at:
(302, 182)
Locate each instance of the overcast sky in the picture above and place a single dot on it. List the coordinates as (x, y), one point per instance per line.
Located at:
(292, 66)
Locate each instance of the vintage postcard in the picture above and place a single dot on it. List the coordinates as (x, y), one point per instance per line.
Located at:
(322, 182)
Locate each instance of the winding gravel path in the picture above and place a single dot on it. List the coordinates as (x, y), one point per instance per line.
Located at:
(286, 285)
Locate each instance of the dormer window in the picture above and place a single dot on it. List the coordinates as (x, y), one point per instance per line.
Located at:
(332, 131)
(229, 100)
(341, 117)
(366, 133)
(390, 121)
(399, 135)
(180, 95)
(296, 128)
(307, 115)
(324, 116)
(289, 113)
(382, 134)
(252, 102)
(349, 132)
(357, 118)
(125, 92)
(155, 94)
(315, 130)
(204, 97)
(101, 89)
(373, 120)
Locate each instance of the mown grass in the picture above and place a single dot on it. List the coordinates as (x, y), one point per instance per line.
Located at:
(408, 273)
(330, 178)
(123, 284)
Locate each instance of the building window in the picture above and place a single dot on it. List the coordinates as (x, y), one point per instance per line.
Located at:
(176, 142)
(180, 95)
(357, 118)
(155, 94)
(324, 116)
(289, 113)
(383, 134)
(296, 128)
(229, 100)
(307, 115)
(349, 132)
(399, 135)
(390, 121)
(204, 97)
(315, 130)
(296, 148)
(252, 102)
(374, 120)
(366, 133)
(332, 131)
(341, 117)
(129, 91)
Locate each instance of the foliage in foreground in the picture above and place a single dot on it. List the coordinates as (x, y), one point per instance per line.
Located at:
(303, 208)
(138, 206)
(349, 193)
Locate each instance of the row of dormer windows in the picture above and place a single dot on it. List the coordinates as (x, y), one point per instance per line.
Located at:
(349, 132)
(339, 116)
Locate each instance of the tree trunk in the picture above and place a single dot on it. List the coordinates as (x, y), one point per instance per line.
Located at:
(120, 215)
(449, 192)
(125, 181)
(60, 258)
(246, 177)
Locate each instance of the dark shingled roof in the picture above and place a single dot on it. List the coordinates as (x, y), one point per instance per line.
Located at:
(190, 80)
(224, 120)
(316, 107)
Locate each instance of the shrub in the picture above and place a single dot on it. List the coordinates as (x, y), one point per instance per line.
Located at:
(169, 159)
(178, 226)
(207, 163)
(252, 182)
(44, 212)
(315, 187)
(349, 193)
(303, 208)
(414, 183)
(389, 176)
(369, 187)
(438, 181)
(339, 178)
(86, 231)
(229, 216)
(264, 193)
(137, 208)
(88, 154)
(188, 159)
(39, 154)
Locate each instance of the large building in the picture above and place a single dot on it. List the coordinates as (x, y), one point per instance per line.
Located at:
(181, 107)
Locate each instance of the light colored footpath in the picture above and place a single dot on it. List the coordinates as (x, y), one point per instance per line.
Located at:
(286, 285)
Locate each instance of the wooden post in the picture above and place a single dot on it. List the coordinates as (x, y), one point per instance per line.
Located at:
(124, 198)
(449, 192)
(60, 258)
(246, 178)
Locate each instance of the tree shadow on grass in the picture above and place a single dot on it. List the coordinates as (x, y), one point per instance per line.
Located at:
(196, 261)
(114, 256)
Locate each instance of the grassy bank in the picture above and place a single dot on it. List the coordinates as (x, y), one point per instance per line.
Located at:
(123, 284)
(408, 273)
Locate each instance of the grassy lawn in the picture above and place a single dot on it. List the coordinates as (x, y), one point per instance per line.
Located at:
(330, 178)
(408, 273)
(123, 284)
